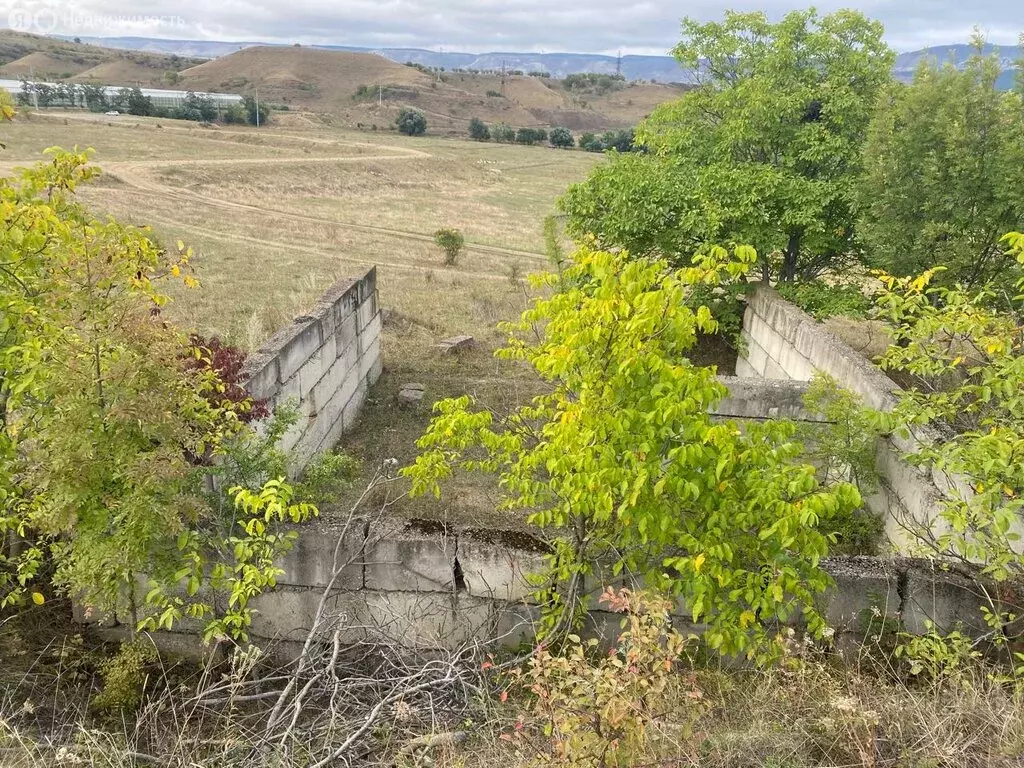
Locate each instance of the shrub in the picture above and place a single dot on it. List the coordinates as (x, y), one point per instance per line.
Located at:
(591, 143)
(235, 115)
(495, 95)
(562, 137)
(124, 677)
(411, 123)
(822, 301)
(255, 113)
(505, 134)
(531, 135)
(478, 130)
(451, 241)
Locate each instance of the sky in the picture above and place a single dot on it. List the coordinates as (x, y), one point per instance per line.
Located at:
(597, 26)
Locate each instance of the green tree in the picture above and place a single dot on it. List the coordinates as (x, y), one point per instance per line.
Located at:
(621, 464)
(452, 242)
(134, 102)
(966, 363)
(478, 130)
(107, 430)
(199, 107)
(765, 150)
(591, 143)
(942, 174)
(256, 113)
(411, 123)
(562, 137)
(503, 133)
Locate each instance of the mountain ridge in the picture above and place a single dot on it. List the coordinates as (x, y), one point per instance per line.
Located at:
(664, 69)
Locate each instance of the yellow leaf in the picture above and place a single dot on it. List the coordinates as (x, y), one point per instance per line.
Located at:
(698, 562)
(37, 598)
(175, 270)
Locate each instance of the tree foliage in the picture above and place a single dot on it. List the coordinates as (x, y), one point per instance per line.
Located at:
(111, 419)
(452, 242)
(411, 123)
(622, 465)
(562, 137)
(765, 150)
(478, 130)
(942, 175)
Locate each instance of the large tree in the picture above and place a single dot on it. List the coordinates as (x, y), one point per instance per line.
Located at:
(765, 150)
(622, 465)
(942, 174)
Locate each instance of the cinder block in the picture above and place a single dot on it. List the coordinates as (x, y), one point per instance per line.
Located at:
(757, 358)
(370, 356)
(866, 590)
(497, 563)
(346, 332)
(303, 342)
(260, 375)
(410, 558)
(772, 370)
(334, 380)
(945, 599)
(288, 613)
(355, 405)
(322, 546)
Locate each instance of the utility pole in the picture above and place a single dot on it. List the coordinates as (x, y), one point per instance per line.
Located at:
(380, 95)
(257, 106)
(618, 63)
(35, 91)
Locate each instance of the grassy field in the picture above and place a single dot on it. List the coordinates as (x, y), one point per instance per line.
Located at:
(276, 215)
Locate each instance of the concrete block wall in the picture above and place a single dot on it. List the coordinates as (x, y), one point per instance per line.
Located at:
(784, 343)
(324, 364)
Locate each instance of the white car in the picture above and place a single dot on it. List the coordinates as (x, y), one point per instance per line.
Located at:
(112, 113)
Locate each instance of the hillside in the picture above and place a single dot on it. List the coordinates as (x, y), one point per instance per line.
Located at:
(45, 58)
(370, 89)
(349, 88)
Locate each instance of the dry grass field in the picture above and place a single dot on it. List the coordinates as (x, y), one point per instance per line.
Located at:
(276, 215)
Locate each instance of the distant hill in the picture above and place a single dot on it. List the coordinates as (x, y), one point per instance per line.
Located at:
(662, 69)
(345, 86)
(1009, 57)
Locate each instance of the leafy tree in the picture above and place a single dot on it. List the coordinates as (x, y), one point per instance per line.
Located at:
(531, 136)
(255, 113)
(591, 143)
(503, 133)
(765, 150)
(171, 77)
(235, 115)
(478, 130)
(621, 463)
(562, 137)
(451, 241)
(134, 102)
(411, 123)
(964, 360)
(110, 419)
(95, 98)
(198, 104)
(942, 176)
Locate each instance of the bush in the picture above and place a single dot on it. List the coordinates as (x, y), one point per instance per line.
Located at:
(531, 136)
(124, 677)
(235, 115)
(591, 143)
(822, 301)
(505, 134)
(411, 123)
(255, 113)
(478, 130)
(562, 137)
(451, 241)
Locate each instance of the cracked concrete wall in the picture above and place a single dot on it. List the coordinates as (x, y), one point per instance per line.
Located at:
(324, 364)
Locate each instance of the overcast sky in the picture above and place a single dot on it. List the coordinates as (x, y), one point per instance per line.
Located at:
(599, 26)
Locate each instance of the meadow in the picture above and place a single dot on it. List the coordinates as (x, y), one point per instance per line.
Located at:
(276, 215)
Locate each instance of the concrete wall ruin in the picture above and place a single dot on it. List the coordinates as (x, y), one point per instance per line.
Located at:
(784, 343)
(323, 363)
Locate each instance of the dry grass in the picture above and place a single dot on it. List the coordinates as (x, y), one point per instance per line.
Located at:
(277, 215)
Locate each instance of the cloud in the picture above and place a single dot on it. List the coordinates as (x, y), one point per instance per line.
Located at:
(487, 25)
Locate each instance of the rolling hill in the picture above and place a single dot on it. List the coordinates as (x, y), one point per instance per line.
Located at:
(351, 88)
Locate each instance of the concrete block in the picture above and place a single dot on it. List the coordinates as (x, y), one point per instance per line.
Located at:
(355, 405)
(260, 375)
(376, 369)
(762, 399)
(949, 601)
(368, 357)
(515, 624)
(346, 332)
(428, 619)
(288, 613)
(334, 380)
(415, 557)
(311, 562)
(745, 370)
(757, 358)
(301, 343)
(370, 335)
(866, 591)
(772, 370)
(496, 564)
(339, 300)
(366, 312)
